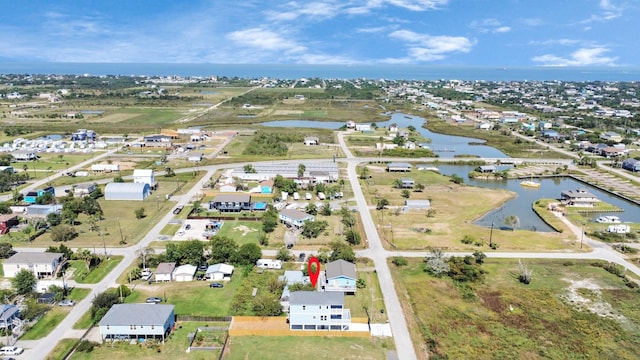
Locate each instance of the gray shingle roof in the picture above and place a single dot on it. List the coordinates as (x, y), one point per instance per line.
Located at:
(316, 298)
(32, 258)
(296, 214)
(165, 268)
(137, 314)
(240, 198)
(340, 268)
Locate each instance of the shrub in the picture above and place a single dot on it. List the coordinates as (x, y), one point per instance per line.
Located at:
(85, 346)
(400, 261)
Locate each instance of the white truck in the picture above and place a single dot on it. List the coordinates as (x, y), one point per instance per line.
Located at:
(284, 195)
(321, 196)
(307, 196)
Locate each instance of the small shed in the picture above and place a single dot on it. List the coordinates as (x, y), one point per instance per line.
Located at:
(311, 141)
(195, 157)
(43, 210)
(46, 298)
(7, 221)
(127, 191)
(487, 169)
(417, 204)
(219, 272)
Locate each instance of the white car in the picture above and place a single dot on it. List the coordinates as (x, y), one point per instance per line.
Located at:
(11, 350)
(66, 303)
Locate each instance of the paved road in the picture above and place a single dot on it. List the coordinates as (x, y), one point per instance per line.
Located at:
(404, 345)
(397, 319)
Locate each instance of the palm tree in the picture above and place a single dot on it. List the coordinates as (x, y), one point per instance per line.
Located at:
(301, 170)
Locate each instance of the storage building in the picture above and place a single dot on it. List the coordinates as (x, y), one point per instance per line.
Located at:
(127, 191)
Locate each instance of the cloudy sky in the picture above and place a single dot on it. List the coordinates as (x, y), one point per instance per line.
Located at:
(442, 32)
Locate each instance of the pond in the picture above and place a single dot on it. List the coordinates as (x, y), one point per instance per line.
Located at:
(446, 146)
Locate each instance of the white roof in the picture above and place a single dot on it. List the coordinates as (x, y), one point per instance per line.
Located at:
(143, 172)
(185, 269)
(220, 268)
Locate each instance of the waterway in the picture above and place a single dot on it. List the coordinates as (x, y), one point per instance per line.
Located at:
(446, 146)
(520, 205)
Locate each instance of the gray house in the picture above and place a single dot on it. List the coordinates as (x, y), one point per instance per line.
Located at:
(417, 204)
(293, 217)
(8, 316)
(231, 202)
(340, 275)
(127, 191)
(318, 310)
(399, 167)
(137, 321)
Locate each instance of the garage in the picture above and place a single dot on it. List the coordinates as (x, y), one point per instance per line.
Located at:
(127, 191)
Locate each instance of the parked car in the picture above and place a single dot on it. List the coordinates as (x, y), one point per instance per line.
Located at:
(178, 209)
(200, 277)
(289, 246)
(146, 274)
(301, 257)
(202, 267)
(216, 285)
(154, 300)
(11, 350)
(187, 227)
(66, 303)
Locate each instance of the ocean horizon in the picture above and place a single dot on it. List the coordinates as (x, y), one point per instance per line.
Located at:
(289, 71)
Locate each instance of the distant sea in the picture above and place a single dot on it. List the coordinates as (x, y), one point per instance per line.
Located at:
(375, 72)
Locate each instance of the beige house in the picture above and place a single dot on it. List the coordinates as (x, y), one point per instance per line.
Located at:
(41, 264)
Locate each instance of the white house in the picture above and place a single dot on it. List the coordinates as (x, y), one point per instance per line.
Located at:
(619, 229)
(318, 310)
(311, 141)
(219, 272)
(363, 127)
(195, 157)
(269, 264)
(41, 264)
(485, 126)
(184, 273)
(165, 271)
(105, 167)
(144, 176)
(294, 217)
(135, 321)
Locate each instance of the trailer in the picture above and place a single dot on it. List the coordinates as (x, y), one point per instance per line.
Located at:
(307, 196)
(284, 195)
(321, 196)
(296, 196)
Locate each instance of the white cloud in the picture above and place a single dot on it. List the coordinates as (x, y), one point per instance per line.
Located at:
(563, 42)
(419, 5)
(489, 26)
(593, 56)
(315, 11)
(263, 39)
(424, 47)
(608, 11)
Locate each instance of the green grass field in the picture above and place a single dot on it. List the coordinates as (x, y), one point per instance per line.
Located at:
(259, 347)
(96, 274)
(61, 349)
(506, 319)
(53, 317)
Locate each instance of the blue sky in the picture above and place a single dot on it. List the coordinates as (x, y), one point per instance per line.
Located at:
(438, 32)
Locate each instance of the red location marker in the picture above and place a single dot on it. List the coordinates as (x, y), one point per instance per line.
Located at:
(314, 270)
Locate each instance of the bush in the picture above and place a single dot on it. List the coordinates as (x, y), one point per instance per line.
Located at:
(400, 261)
(85, 346)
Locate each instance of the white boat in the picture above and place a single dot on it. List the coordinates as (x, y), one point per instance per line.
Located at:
(530, 183)
(609, 219)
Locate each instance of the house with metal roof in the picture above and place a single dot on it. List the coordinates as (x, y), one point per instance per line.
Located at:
(145, 176)
(579, 197)
(318, 310)
(398, 167)
(137, 321)
(417, 204)
(164, 271)
(219, 272)
(185, 273)
(340, 275)
(127, 191)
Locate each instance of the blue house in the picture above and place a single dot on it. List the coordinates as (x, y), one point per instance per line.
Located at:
(137, 321)
(552, 134)
(8, 316)
(340, 275)
(30, 197)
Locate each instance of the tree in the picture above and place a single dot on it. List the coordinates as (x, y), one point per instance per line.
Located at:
(168, 172)
(6, 250)
(364, 172)
(283, 254)
(45, 198)
(139, 213)
(311, 209)
(69, 215)
(267, 304)
(54, 219)
(400, 261)
(5, 208)
(382, 204)
(66, 252)
(525, 273)
(352, 237)
(397, 184)
(63, 233)
(437, 264)
(405, 194)
(419, 187)
(6, 159)
(312, 229)
(102, 303)
(249, 169)
(342, 250)
(479, 256)
(325, 210)
(144, 254)
(512, 221)
(86, 256)
(197, 206)
(270, 219)
(24, 282)
(248, 254)
(301, 170)
(223, 249)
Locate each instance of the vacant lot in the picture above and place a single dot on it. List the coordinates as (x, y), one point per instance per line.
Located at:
(570, 310)
(258, 347)
(453, 210)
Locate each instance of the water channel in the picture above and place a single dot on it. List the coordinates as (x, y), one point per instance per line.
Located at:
(519, 206)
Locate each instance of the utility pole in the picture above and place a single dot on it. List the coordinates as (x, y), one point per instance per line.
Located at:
(121, 235)
(491, 235)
